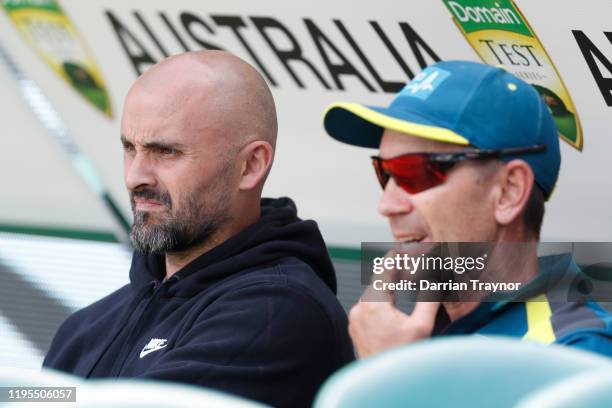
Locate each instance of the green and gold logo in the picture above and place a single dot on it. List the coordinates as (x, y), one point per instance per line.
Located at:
(45, 27)
(501, 35)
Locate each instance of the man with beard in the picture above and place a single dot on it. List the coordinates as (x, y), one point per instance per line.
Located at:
(227, 290)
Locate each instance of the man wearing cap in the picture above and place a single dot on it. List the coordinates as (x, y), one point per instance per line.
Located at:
(469, 153)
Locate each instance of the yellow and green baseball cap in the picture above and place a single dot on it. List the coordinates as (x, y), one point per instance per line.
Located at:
(464, 103)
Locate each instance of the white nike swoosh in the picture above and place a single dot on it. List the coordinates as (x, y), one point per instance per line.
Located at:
(145, 352)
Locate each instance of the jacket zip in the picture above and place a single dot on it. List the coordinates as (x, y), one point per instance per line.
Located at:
(133, 304)
(135, 332)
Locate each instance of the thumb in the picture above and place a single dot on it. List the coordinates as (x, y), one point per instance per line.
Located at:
(425, 313)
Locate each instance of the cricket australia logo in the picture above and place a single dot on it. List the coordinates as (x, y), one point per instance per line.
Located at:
(153, 345)
(425, 83)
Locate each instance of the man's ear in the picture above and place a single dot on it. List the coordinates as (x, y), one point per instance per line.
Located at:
(256, 162)
(516, 181)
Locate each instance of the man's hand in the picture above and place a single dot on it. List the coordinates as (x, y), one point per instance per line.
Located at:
(377, 326)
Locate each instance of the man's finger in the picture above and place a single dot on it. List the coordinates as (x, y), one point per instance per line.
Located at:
(425, 313)
(381, 293)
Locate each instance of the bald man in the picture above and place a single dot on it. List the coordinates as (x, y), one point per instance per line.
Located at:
(227, 290)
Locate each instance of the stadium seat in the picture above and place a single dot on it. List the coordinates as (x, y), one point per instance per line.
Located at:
(591, 389)
(461, 371)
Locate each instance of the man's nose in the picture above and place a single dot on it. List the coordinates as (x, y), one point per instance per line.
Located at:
(139, 172)
(394, 201)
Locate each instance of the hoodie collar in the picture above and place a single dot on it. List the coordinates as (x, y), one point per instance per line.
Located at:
(556, 273)
(278, 234)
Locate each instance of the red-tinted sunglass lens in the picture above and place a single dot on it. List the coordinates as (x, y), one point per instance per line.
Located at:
(383, 176)
(414, 173)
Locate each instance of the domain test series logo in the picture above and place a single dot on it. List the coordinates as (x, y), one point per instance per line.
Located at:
(501, 35)
(48, 30)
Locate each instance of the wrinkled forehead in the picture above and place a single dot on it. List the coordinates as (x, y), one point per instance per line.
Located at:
(395, 144)
(168, 115)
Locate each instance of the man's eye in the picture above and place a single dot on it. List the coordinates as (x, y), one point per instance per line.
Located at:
(166, 150)
(128, 147)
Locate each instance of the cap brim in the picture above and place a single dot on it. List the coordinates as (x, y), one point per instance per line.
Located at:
(363, 126)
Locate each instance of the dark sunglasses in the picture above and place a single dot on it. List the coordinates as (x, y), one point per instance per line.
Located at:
(416, 172)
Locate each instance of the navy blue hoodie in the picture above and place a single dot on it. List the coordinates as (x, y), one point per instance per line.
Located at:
(256, 316)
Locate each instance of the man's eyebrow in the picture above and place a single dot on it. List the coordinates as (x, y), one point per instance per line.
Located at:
(155, 144)
(162, 145)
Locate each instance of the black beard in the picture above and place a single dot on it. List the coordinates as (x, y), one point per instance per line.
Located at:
(194, 222)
